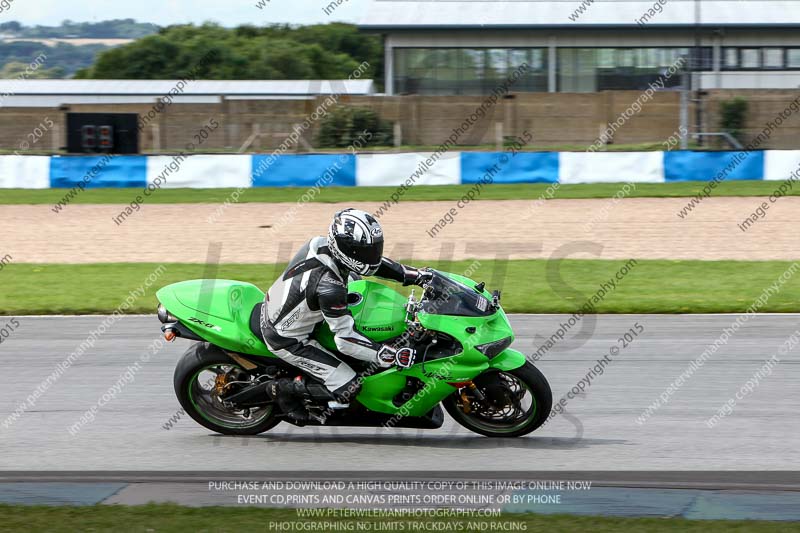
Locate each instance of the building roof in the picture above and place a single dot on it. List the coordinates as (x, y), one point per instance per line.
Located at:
(54, 93)
(413, 14)
(157, 88)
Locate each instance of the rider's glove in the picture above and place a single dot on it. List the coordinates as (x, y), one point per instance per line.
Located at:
(404, 357)
(401, 357)
(386, 356)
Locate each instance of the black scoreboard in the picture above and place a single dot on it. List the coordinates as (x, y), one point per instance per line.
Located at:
(102, 133)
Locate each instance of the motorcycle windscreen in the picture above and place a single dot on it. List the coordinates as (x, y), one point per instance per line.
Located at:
(456, 299)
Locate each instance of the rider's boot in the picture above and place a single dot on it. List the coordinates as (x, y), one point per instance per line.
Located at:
(341, 397)
(290, 395)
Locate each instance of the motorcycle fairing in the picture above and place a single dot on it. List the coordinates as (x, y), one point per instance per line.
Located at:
(218, 311)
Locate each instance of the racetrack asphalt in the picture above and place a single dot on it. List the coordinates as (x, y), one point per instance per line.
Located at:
(600, 433)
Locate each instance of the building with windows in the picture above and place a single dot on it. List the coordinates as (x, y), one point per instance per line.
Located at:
(470, 47)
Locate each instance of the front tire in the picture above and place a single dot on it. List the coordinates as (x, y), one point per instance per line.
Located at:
(514, 419)
(195, 391)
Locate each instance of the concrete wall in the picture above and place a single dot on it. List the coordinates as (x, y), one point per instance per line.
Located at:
(553, 119)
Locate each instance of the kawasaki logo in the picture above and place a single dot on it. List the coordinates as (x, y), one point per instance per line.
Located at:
(379, 328)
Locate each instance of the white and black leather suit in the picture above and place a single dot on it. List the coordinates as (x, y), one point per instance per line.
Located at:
(313, 288)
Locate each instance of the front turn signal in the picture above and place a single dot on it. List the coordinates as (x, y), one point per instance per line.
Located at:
(169, 335)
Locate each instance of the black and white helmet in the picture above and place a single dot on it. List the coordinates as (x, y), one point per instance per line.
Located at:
(355, 240)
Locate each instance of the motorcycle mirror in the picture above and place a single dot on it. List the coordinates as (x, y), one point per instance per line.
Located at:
(480, 286)
(496, 298)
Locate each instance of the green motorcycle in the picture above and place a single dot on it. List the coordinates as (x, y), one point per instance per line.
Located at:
(459, 331)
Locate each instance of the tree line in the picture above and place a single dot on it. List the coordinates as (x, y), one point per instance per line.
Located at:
(106, 29)
(276, 52)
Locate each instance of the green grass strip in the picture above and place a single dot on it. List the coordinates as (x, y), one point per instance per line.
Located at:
(177, 519)
(524, 191)
(650, 286)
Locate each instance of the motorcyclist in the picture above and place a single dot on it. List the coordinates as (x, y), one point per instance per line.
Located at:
(313, 288)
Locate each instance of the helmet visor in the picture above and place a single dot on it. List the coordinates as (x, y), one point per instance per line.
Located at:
(369, 254)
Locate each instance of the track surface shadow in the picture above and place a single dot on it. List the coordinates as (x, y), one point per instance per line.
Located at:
(440, 442)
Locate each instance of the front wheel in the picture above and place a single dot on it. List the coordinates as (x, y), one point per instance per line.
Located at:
(202, 374)
(503, 403)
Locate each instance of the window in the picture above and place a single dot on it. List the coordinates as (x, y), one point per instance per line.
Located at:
(577, 70)
(516, 59)
(603, 69)
(648, 58)
(773, 57)
(767, 58)
(498, 64)
(519, 57)
(605, 58)
(447, 71)
(793, 58)
(539, 60)
(626, 58)
(665, 57)
(473, 65)
(701, 58)
(466, 70)
(730, 58)
(750, 58)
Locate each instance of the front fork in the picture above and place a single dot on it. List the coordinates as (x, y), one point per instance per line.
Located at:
(506, 360)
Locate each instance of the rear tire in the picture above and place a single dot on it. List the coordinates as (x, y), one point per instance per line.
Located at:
(194, 399)
(542, 401)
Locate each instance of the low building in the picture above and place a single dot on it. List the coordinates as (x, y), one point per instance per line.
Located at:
(35, 114)
(470, 47)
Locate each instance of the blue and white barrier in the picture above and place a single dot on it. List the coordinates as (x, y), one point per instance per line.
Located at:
(395, 169)
(703, 166)
(780, 164)
(97, 172)
(303, 170)
(29, 172)
(524, 167)
(309, 170)
(198, 171)
(611, 167)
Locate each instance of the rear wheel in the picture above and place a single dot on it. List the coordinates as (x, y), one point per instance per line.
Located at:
(202, 375)
(503, 403)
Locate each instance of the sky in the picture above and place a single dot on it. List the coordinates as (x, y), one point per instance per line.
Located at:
(165, 12)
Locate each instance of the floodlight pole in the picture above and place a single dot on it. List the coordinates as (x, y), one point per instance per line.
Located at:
(698, 111)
